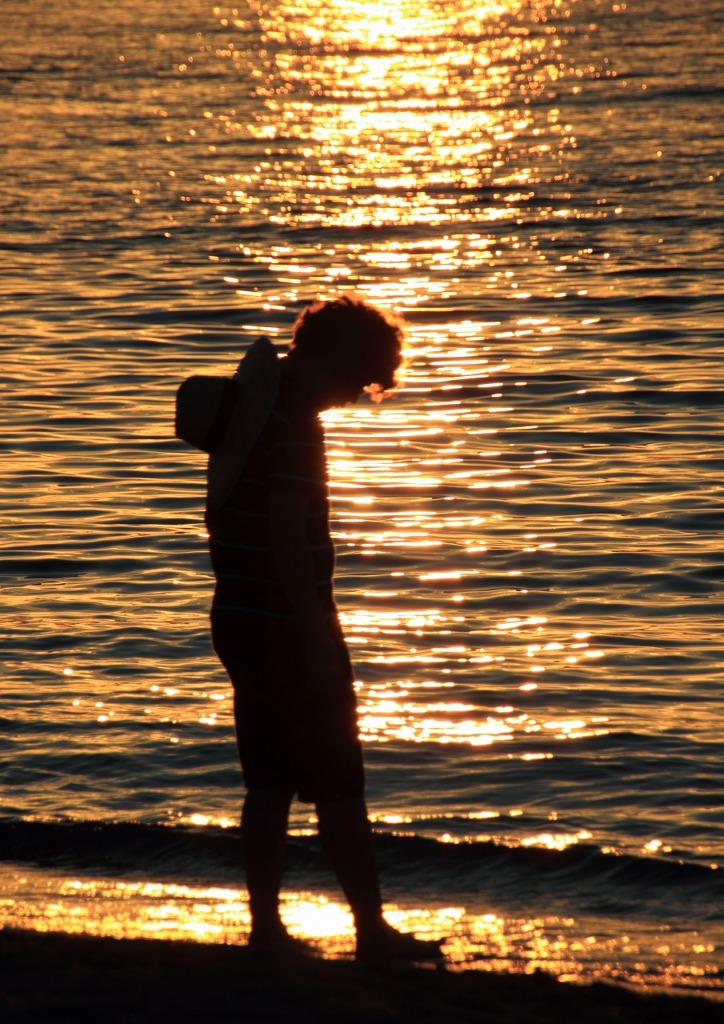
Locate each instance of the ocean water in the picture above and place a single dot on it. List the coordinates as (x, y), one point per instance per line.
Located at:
(530, 570)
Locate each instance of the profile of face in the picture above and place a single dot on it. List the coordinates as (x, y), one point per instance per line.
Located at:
(339, 381)
(341, 390)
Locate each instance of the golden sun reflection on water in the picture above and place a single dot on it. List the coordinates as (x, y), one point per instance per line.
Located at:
(474, 939)
(389, 713)
(405, 482)
(415, 152)
(389, 114)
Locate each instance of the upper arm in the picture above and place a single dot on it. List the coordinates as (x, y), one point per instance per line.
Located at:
(296, 479)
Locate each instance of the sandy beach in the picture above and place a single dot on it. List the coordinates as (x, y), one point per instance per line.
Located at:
(57, 977)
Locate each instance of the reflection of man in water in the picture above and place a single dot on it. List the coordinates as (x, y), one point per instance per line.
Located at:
(274, 620)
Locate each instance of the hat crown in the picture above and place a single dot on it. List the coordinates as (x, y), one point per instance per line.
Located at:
(198, 403)
(224, 416)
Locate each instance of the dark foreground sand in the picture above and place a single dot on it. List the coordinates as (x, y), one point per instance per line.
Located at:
(62, 978)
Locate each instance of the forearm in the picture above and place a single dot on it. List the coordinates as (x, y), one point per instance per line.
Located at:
(294, 563)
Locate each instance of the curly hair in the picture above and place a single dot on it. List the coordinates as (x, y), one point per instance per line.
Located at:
(355, 337)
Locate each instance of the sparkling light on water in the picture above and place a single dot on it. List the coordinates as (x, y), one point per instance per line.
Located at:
(529, 563)
(473, 939)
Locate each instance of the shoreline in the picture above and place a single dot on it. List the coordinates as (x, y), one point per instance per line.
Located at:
(61, 977)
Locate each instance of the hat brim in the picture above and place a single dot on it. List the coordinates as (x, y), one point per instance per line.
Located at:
(257, 385)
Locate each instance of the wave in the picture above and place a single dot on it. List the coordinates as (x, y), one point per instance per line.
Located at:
(583, 875)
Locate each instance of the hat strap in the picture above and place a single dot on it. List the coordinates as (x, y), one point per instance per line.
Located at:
(221, 420)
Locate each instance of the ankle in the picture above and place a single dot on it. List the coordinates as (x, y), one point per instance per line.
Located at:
(267, 923)
(370, 925)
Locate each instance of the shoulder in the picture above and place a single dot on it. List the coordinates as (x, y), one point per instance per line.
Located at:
(291, 422)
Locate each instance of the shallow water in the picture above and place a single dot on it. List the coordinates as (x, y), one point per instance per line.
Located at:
(529, 568)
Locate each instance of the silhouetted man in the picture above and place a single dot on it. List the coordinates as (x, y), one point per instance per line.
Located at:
(274, 621)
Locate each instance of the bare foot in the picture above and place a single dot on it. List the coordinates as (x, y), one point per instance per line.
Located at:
(276, 942)
(384, 945)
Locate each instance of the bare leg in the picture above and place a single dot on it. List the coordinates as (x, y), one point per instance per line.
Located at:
(346, 836)
(263, 835)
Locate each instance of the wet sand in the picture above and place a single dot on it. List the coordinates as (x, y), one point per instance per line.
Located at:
(64, 978)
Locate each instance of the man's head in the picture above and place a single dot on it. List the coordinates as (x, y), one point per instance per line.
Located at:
(355, 346)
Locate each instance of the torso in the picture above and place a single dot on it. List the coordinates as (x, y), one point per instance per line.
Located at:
(289, 455)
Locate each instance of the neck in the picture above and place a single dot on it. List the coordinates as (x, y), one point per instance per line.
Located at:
(306, 381)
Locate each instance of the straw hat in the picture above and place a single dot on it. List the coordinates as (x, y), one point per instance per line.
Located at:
(225, 415)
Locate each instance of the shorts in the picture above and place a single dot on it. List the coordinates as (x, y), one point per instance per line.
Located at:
(287, 741)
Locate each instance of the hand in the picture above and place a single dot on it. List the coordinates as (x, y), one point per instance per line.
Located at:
(324, 664)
